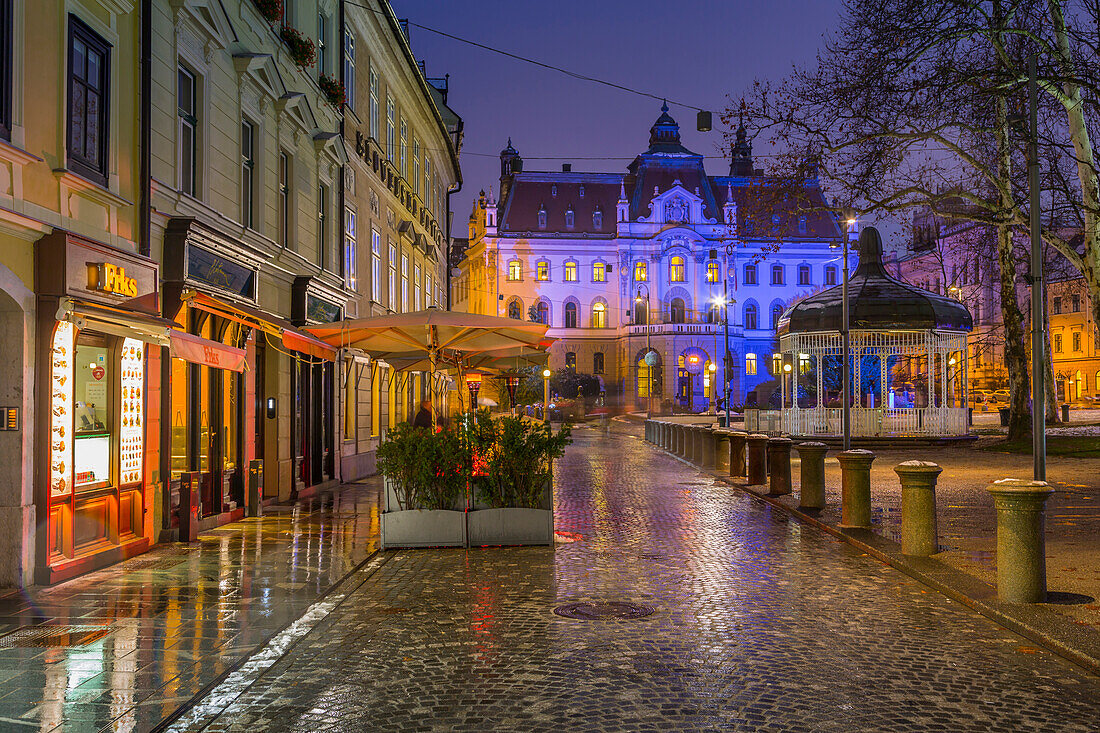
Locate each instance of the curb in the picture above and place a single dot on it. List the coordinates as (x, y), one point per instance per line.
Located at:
(1062, 636)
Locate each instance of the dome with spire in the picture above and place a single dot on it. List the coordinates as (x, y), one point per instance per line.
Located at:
(510, 161)
(664, 136)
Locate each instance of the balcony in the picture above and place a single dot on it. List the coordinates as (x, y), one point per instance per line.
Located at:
(683, 329)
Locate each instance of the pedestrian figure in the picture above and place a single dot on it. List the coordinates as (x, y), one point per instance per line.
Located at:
(423, 418)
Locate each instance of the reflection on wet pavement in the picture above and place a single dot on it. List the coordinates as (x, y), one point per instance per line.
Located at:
(125, 647)
(760, 624)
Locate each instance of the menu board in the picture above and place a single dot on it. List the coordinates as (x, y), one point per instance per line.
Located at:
(61, 405)
(132, 412)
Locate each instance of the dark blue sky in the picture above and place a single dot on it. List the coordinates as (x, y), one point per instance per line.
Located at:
(696, 51)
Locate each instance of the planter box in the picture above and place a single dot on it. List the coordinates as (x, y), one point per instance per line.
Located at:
(510, 526)
(423, 528)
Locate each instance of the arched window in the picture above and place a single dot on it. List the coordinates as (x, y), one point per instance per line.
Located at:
(515, 270)
(676, 310)
(750, 317)
(714, 272)
(777, 312)
(599, 315)
(515, 309)
(640, 272)
(599, 272)
(542, 270)
(597, 363)
(676, 269)
(542, 217)
(750, 274)
(570, 315)
(830, 275)
(777, 274)
(571, 272)
(543, 312)
(803, 274)
(641, 313)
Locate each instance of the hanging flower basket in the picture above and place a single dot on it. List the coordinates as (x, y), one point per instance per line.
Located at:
(271, 10)
(333, 91)
(302, 52)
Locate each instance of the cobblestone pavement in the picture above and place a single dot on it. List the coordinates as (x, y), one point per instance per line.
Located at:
(759, 623)
(162, 626)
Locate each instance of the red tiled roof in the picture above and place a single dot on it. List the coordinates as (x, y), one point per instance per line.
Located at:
(531, 191)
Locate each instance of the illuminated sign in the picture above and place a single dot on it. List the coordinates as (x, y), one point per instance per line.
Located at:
(112, 279)
(221, 272)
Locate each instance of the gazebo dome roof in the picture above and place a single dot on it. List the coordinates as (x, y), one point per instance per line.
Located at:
(876, 302)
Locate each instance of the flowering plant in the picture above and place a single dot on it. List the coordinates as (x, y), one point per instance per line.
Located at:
(333, 91)
(271, 10)
(302, 52)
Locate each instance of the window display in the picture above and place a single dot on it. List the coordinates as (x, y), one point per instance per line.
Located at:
(91, 414)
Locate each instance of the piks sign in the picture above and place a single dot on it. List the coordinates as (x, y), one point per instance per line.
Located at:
(112, 279)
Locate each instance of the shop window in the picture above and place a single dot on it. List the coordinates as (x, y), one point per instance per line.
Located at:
(93, 372)
(750, 364)
(89, 92)
(351, 400)
(597, 363)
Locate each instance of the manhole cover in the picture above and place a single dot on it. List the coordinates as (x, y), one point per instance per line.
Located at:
(597, 611)
(46, 635)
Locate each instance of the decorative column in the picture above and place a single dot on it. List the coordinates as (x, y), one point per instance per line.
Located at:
(918, 507)
(1021, 544)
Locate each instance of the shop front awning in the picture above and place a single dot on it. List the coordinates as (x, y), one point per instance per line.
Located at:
(292, 337)
(209, 353)
(115, 321)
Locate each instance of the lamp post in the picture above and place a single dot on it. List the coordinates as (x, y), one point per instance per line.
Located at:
(846, 386)
(546, 394)
(714, 374)
(783, 393)
(648, 351)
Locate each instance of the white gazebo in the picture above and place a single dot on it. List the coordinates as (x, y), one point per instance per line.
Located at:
(908, 358)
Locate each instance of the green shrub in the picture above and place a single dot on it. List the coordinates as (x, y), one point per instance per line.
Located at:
(519, 463)
(426, 470)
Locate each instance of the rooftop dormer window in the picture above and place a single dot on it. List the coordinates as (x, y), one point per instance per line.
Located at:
(542, 217)
(597, 219)
(582, 190)
(569, 217)
(554, 189)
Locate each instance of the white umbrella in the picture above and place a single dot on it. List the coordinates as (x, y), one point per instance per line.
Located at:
(486, 402)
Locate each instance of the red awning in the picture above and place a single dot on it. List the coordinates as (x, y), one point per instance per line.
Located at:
(206, 352)
(293, 338)
(296, 340)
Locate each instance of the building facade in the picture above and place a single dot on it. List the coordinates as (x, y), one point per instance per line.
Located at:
(620, 264)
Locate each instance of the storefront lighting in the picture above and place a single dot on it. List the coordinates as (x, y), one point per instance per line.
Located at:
(271, 412)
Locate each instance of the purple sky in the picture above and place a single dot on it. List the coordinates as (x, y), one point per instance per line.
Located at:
(695, 51)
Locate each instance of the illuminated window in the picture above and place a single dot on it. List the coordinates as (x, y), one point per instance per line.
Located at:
(750, 364)
(515, 270)
(599, 272)
(777, 364)
(542, 271)
(599, 315)
(804, 364)
(571, 360)
(571, 272)
(640, 272)
(714, 272)
(676, 269)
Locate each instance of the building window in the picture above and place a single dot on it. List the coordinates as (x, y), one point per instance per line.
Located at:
(750, 274)
(351, 268)
(284, 198)
(801, 225)
(641, 312)
(803, 274)
(403, 159)
(830, 275)
(391, 130)
(248, 174)
(186, 93)
(391, 290)
(542, 217)
(7, 60)
(515, 270)
(677, 310)
(750, 317)
(599, 272)
(416, 288)
(597, 222)
(597, 363)
(515, 310)
(416, 167)
(777, 274)
(322, 226)
(599, 315)
(374, 119)
(804, 363)
(714, 272)
(640, 272)
(676, 269)
(404, 283)
(542, 312)
(1076, 340)
(349, 68)
(89, 75)
(324, 64)
(376, 265)
(1057, 343)
(1076, 301)
(1057, 305)
(571, 360)
(569, 218)
(570, 315)
(777, 313)
(777, 364)
(427, 181)
(542, 270)
(750, 364)
(571, 272)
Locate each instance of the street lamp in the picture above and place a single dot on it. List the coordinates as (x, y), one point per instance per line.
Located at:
(846, 387)
(546, 393)
(714, 374)
(650, 361)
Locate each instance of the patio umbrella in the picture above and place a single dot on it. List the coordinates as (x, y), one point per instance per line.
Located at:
(400, 338)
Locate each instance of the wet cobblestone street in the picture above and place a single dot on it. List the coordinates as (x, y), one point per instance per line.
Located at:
(759, 623)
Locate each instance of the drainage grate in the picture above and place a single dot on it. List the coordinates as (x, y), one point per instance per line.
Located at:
(154, 563)
(597, 611)
(55, 635)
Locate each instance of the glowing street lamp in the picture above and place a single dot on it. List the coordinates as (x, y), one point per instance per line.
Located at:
(546, 393)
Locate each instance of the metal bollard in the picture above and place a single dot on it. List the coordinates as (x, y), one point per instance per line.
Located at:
(855, 488)
(706, 434)
(190, 505)
(779, 466)
(255, 487)
(722, 450)
(811, 492)
(1021, 541)
(738, 442)
(918, 507)
(757, 447)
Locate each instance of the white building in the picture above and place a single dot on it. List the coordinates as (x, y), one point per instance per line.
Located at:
(613, 262)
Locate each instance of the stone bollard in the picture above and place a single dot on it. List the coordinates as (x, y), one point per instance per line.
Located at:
(757, 449)
(918, 507)
(1021, 541)
(738, 442)
(697, 444)
(722, 450)
(666, 436)
(649, 431)
(707, 460)
(661, 442)
(779, 466)
(685, 442)
(812, 485)
(855, 488)
(680, 432)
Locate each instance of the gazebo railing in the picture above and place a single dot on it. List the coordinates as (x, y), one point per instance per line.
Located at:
(867, 422)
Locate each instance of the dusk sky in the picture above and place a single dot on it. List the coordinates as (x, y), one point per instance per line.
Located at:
(697, 51)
